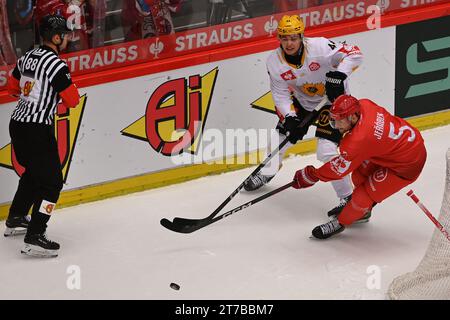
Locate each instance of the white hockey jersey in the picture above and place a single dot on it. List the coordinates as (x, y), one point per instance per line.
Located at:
(307, 83)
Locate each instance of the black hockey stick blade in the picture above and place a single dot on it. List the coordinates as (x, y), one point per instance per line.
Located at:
(184, 225)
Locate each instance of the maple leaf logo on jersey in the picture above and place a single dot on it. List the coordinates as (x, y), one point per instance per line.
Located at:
(312, 89)
(340, 165)
(288, 75)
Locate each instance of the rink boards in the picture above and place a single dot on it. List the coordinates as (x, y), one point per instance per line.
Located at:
(121, 138)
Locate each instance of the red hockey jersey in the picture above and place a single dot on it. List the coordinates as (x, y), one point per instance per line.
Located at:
(381, 138)
(75, 13)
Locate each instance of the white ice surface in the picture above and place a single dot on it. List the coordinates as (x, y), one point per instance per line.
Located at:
(262, 252)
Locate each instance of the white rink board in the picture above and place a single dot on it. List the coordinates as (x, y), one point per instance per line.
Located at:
(103, 154)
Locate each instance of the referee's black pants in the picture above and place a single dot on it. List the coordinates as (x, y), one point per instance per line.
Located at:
(36, 150)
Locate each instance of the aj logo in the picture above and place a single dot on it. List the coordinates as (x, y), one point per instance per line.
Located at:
(175, 115)
(47, 207)
(67, 125)
(27, 88)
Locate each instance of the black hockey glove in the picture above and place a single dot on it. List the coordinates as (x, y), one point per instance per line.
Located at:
(334, 85)
(295, 131)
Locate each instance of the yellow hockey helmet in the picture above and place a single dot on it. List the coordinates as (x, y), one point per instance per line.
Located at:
(290, 25)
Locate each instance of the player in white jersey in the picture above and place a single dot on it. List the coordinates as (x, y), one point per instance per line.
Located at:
(302, 71)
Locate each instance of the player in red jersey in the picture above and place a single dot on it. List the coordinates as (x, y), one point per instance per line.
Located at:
(85, 19)
(383, 152)
(148, 18)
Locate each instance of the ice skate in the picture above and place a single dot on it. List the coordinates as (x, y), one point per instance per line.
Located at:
(16, 226)
(38, 245)
(338, 209)
(326, 230)
(334, 213)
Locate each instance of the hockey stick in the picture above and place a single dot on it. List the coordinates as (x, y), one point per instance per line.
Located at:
(191, 225)
(178, 223)
(428, 213)
(178, 220)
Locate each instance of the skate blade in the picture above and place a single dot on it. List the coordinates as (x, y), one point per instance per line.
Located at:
(11, 232)
(311, 237)
(362, 220)
(35, 251)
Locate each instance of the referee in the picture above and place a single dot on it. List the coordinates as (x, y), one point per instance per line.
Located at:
(40, 79)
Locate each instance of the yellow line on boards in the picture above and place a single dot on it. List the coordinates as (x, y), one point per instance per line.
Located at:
(177, 175)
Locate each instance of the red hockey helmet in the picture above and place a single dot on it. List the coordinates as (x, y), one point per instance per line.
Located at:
(344, 106)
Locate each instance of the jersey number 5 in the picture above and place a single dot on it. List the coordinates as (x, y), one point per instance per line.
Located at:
(402, 129)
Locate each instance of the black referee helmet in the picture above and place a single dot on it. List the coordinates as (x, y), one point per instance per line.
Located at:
(51, 25)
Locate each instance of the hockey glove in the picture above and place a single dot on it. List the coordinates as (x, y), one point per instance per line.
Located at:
(334, 85)
(305, 178)
(295, 131)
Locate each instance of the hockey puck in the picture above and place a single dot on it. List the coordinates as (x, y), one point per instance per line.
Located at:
(174, 286)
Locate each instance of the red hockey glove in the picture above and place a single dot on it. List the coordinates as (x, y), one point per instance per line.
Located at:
(305, 178)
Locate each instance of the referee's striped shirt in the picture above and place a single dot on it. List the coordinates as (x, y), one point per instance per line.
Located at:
(42, 76)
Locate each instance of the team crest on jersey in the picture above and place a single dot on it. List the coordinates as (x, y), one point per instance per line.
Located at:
(176, 114)
(340, 164)
(28, 86)
(312, 89)
(314, 66)
(380, 175)
(288, 75)
(67, 125)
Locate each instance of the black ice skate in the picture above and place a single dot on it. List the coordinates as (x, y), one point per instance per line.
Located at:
(334, 213)
(326, 230)
(338, 209)
(16, 226)
(257, 181)
(37, 245)
(365, 218)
